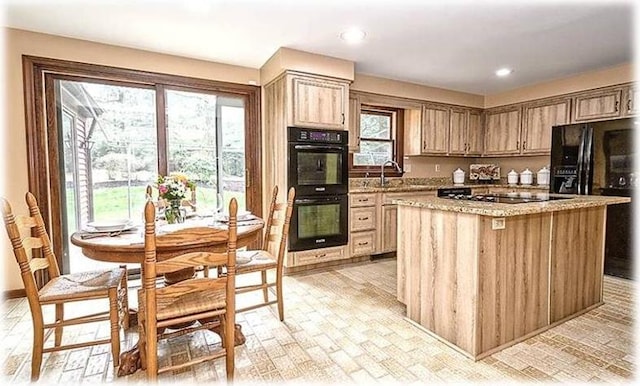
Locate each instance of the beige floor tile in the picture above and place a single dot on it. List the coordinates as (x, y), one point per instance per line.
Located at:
(345, 326)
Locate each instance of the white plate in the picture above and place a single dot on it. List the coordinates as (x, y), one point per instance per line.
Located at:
(122, 228)
(110, 225)
(241, 216)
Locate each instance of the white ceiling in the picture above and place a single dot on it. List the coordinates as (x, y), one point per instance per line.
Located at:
(450, 44)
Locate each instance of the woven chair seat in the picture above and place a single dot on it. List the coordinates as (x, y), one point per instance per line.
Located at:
(80, 286)
(260, 261)
(188, 304)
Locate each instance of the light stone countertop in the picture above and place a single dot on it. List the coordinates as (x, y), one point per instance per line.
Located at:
(506, 210)
(433, 187)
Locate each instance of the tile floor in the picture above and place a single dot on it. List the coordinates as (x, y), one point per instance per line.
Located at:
(344, 325)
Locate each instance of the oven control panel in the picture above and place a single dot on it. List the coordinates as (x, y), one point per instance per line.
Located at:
(318, 136)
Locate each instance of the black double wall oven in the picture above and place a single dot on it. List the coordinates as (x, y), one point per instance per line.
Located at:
(318, 170)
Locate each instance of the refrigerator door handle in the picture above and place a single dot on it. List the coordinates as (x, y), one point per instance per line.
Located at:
(580, 160)
(587, 161)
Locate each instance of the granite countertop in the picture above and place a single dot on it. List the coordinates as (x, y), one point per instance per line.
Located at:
(426, 184)
(506, 210)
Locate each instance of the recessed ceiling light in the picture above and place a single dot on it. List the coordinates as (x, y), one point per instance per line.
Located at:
(353, 35)
(504, 71)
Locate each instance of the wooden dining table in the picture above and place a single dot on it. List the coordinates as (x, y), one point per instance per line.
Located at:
(128, 247)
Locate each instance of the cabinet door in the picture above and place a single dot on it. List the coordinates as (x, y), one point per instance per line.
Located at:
(502, 133)
(633, 101)
(319, 103)
(597, 105)
(538, 121)
(413, 131)
(354, 124)
(388, 232)
(458, 132)
(475, 133)
(435, 130)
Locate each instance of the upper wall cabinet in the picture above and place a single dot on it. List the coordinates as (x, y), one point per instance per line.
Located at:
(632, 98)
(435, 129)
(318, 102)
(354, 123)
(465, 132)
(502, 131)
(538, 119)
(597, 105)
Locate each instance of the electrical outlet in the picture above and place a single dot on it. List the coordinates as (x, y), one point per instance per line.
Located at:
(407, 168)
(497, 223)
(437, 167)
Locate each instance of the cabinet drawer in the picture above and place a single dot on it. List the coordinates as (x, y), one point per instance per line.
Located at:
(319, 255)
(362, 219)
(358, 200)
(363, 243)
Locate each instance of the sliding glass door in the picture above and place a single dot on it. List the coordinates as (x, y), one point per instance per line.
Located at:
(106, 133)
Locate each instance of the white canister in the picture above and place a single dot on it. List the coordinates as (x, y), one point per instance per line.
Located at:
(458, 177)
(512, 177)
(526, 177)
(543, 176)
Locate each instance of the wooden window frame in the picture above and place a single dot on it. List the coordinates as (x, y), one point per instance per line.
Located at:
(397, 140)
(42, 137)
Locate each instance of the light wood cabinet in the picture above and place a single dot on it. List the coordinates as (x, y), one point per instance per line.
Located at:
(363, 219)
(413, 131)
(435, 129)
(538, 120)
(502, 131)
(318, 102)
(632, 100)
(354, 123)
(601, 104)
(387, 226)
(465, 132)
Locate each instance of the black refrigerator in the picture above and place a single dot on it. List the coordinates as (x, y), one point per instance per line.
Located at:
(597, 158)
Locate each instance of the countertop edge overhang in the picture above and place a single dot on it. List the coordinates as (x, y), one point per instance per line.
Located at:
(428, 188)
(507, 210)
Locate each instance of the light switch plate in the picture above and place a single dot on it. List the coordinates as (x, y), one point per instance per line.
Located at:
(497, 223)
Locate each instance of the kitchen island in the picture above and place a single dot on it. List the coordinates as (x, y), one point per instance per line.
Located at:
(483, 276)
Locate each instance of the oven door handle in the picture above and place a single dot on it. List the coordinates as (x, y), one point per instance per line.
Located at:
(316, 200)
(318, 147)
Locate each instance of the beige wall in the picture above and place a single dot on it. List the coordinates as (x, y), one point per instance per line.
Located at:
(425, 166)
(585, 81)
(18, 43)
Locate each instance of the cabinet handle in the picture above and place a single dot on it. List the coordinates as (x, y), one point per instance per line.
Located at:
(365, 200)
(361, 244)
(323, 255)
(363, 218)
(617, 104)
(524, 145)
(424, 145)
(629, 106)
(343, 118)
(518, 145)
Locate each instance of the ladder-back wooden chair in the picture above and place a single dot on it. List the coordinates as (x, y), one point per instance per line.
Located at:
(270, 256)
(209, 302)
(32, 250)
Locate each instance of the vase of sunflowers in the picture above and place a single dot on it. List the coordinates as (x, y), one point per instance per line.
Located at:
(173, 189)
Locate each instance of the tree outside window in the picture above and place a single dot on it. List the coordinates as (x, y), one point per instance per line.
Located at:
(379, 137)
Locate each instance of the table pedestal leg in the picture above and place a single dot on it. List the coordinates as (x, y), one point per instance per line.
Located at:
(130, 361)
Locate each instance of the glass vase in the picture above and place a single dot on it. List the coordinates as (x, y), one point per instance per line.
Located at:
(173, 213)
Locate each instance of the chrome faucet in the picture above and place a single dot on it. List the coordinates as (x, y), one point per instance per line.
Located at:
(392, 162)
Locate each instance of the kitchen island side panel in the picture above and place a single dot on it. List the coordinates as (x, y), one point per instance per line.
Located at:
(513, 275)
(577, 265)
(438, 252)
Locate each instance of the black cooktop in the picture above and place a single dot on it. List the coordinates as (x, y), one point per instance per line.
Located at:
(514, 198)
